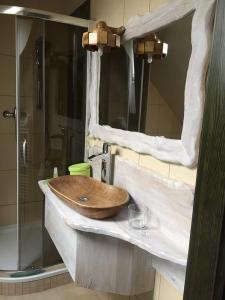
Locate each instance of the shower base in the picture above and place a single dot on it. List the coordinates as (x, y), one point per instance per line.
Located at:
(52, 277)
(31, 243)
(8, 247)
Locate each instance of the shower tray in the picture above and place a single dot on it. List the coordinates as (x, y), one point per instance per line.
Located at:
(8, 245)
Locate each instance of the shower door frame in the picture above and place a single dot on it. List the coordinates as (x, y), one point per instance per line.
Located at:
(44, 16)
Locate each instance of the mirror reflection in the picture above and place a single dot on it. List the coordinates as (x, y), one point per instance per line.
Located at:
(146, 95)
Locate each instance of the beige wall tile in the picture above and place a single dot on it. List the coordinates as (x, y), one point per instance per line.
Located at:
(33, 211)
(154, 96)
(35, 194)
(27, 77)
(90, 141)
(152, 120)
(8, 215)
(34, 116)
(164, 121)
(115, 12)
(8, 187)
(184, 174)
(7, 125)
(36, 149)
(134, 7)
(7, 34)
(157, 286)
(154, 4)
(8, 152)
(154, 164)
(97, 143)
(161, 120)
(7, 75)
(167, 291)
(110, 11)
(128, 154)
(98, 10)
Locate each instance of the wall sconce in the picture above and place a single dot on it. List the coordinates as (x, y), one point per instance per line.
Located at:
(151, 47)
(102, 38)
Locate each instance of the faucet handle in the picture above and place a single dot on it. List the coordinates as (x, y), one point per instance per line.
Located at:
(105, 148)
(91, 157)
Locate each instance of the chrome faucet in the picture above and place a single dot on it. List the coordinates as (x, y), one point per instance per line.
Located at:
(106, 159)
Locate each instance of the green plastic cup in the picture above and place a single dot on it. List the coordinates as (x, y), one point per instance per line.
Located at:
(80, 169)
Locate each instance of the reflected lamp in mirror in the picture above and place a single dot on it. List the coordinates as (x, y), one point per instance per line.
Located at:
(151, 47)
(102, 37)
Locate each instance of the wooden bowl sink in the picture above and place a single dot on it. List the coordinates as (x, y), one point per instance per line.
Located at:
(88, 196)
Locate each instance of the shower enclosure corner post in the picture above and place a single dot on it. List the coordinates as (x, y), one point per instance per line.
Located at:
(17, 136)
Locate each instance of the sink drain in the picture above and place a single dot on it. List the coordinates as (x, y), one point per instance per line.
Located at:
(83, 198)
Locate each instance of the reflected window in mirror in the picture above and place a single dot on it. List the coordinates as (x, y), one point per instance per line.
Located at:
(147, 97)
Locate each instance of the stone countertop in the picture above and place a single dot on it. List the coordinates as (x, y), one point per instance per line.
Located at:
(151, 240)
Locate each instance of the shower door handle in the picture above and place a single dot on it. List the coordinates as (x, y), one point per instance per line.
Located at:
(7, 114)
(24, 152)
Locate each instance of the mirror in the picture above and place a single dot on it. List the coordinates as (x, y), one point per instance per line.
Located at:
(147, 97)
(121, 106)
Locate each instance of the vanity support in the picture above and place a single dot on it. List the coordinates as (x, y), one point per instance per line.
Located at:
(98, 261)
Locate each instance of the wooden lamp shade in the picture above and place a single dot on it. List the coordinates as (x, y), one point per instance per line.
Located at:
(152, 46)
(102, 36)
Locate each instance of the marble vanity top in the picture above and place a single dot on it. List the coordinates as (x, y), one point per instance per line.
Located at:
(152, 240)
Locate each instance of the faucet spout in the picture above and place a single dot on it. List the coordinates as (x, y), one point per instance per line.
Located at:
(106, 163)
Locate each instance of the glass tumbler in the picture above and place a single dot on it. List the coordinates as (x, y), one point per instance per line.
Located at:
(138, 216)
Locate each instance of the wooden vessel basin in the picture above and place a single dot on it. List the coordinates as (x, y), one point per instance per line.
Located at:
(88, 196)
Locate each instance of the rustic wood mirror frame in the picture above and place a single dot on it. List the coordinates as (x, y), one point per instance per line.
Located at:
(185, 150)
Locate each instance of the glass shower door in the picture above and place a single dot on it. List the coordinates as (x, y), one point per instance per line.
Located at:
(31, 133)
(51, 85)
(8, 185)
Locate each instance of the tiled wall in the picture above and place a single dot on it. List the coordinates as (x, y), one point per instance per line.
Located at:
(7, 126)
(169, 170)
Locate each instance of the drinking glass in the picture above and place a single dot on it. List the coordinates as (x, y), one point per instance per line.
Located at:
(138, 216)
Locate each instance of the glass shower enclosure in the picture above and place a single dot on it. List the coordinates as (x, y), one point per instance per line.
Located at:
(42, 103)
